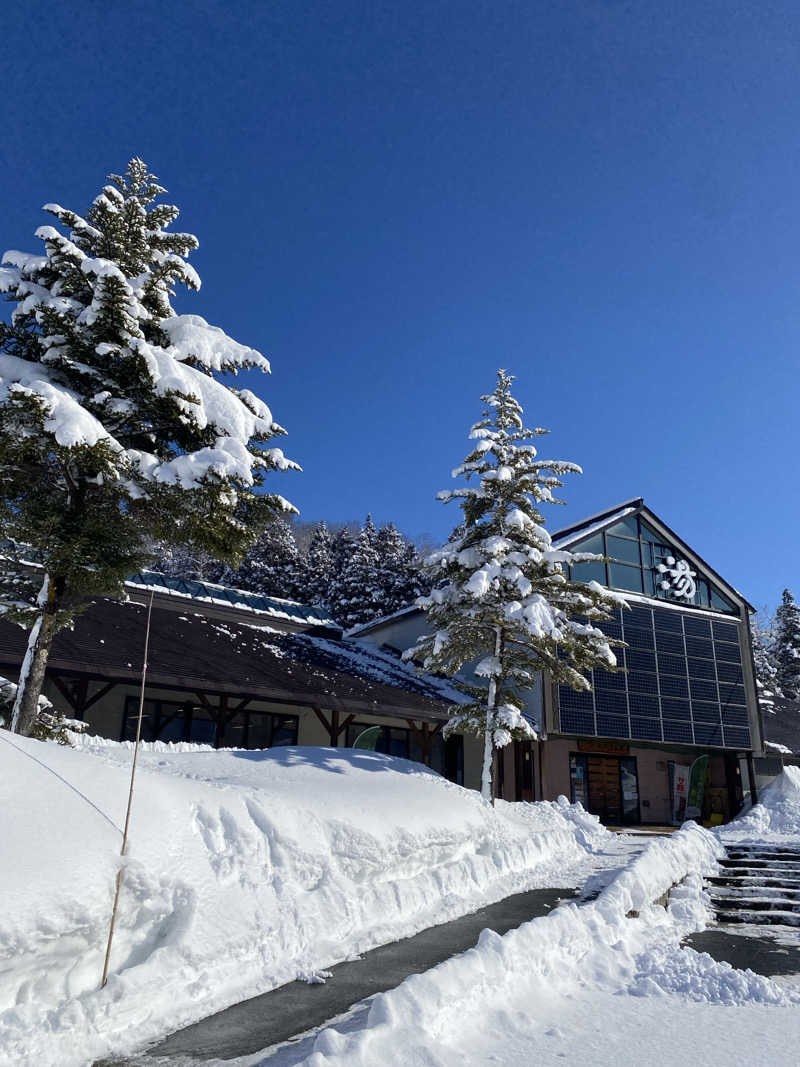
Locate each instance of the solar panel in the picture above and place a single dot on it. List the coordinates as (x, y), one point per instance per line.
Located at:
(683, 683)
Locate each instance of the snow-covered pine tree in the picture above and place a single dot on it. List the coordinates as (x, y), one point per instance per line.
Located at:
(319, 567)
(787, 646)
(356, 593)
(762, 635)
(369, 530)
(272, 566)
(500, 596)
(114, 429)
(184, 561)
(399, 570)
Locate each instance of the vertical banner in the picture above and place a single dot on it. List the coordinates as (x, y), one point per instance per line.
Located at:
(680, 792)
(697, 784)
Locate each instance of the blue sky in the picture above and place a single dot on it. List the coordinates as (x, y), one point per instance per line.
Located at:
(393, 200)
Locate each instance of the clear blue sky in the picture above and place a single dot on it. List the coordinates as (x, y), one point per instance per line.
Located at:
(395, 199)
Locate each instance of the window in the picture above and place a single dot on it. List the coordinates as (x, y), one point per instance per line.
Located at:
(635, 551)
(169, 720)
(622, 549)
(623, 576)
(446, 757)
(589, 572)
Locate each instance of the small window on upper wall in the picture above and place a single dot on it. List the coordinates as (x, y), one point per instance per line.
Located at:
(720, 603)
(589, 572)
(628, 527)
(591, 544)
(648, 533)
(702, 595)
(622, 549)
(623, 576)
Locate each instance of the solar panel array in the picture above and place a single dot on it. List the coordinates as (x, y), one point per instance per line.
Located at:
(683, 683)
(238, 598)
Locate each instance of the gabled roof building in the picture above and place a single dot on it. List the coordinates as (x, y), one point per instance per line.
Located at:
(687, 691)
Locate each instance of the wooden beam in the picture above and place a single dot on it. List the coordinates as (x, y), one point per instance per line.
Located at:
(222, 712)
(98, 696)
(326, 725)
(424, 736)
(66, 692)
(346, 723)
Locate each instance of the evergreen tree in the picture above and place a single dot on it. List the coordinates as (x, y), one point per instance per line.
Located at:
(355, 595)
(185, 561)
(319, 567)
(787, 646)
(761, 630)
(399, 570)
(272, 566)
(500, 595)
(114, 430)
(370, 532)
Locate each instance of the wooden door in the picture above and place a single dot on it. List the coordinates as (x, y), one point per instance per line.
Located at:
(605, 793)
(523, 769)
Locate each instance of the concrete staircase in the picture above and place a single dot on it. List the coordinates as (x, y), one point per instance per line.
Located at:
(758, 885)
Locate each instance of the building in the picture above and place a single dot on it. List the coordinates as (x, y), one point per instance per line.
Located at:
(234, 669)
(687, 690)
(781, 740)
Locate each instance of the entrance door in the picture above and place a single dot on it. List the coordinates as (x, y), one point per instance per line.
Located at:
(607, 786)
(523, 769)
(605, 791)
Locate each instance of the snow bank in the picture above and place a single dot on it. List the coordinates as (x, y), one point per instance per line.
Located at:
(246, 870)
(464, 1009)
(777, 816)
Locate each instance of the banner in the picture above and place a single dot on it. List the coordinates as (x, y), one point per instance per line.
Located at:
(697, 784)
(680, 791)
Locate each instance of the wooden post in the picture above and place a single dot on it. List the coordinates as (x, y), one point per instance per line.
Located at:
(221, 717)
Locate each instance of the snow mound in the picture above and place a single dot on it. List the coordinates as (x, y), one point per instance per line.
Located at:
(776, 816)
(574, 966)
(246, 869)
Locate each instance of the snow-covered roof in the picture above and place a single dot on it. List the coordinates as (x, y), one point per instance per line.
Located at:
(225, 596)
(365, 627)
(593, 523)
(192, 650)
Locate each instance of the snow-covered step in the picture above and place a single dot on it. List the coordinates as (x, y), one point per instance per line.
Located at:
(790, 855)
(758, 886)
(762, 918)
(752, 880)
(755, 904)
(772, 866)
(763, 892)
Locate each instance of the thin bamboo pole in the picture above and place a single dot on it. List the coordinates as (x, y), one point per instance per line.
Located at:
(124, 848)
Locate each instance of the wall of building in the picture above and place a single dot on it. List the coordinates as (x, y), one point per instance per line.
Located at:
(655, 799)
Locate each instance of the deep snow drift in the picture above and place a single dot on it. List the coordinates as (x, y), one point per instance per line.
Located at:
(245, 870)
(776, 816)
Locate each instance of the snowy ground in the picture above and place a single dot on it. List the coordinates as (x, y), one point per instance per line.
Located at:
(589, 984)
(246, 870)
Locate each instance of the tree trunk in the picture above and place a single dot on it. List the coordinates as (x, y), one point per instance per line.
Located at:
(488, 741)
(31, 676)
